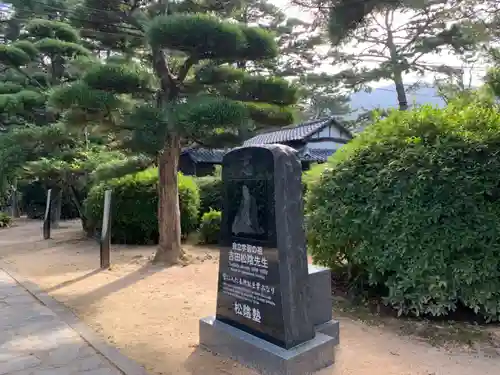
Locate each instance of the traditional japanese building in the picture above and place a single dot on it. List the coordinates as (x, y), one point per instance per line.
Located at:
(314, 141)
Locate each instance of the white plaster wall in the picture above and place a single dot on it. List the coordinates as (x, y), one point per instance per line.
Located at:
(328, 145)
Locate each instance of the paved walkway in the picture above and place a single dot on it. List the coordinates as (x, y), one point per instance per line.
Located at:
(34, 341)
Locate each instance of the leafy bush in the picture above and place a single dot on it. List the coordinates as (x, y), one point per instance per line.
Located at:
(210, 227)
(210, 193)
(413, 205)
(135, 206)
(5, 220)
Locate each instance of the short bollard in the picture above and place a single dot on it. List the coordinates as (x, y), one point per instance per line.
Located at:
(47, 216)
(106, 231)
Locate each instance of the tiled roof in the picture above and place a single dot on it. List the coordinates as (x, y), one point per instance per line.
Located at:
(315, 155)
(205, 155)
(293, 133)
(214, 156)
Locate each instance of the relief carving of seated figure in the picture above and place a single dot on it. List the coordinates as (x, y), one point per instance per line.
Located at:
(246, 220)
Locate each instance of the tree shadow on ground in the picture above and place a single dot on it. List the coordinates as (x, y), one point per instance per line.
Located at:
(73, 281)
(95, 295)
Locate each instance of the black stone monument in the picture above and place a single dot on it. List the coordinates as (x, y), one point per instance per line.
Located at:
(263, 300)
(105, 241)
(47, 216)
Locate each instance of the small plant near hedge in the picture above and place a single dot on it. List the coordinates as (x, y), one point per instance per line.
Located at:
(412, 205)
(135, 206)
(210, 227)
(5, 220)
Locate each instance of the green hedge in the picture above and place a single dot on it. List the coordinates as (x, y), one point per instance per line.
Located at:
(413, 205)
(210, 227)
(135, 206)
(210, 193)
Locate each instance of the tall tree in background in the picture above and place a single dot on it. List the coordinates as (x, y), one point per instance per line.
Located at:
(396, 42)
(460, 80)
(343, 17)
(175, 88)
(323, 96)
(296, 39)
(300, 55)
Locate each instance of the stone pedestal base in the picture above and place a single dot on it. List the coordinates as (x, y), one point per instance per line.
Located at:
(330, 328)
(267, 358)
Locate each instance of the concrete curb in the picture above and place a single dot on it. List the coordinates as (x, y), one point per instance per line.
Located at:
(126, 365)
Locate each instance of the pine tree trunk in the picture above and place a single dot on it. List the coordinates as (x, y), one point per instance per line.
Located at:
(169, 216)
(395, 60)
(400, 90)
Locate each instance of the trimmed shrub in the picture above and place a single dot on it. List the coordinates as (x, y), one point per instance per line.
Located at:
(5, 220)
(413, 206)
(210, 193)
(135, 207)
(210, 227)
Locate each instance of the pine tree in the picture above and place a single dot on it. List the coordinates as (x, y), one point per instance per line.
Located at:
(323, 96)
(180, 86)
(397, 48)
(40, 57)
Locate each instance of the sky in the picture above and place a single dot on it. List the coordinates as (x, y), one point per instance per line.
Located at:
(293, 11)
(476, 73)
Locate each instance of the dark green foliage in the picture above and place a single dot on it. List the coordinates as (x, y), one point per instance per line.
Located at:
(117, 78)
(149, 126)
(54, 47)
(106, 24)
(210, 227)
(239, 85)
(492, 79)
(199, 35)
(346, 15)
(210, 193)
(5, 220)
(413, 206)
(18, 102)
(80, 94)
(120, 167)
(260, 44)
(270, 90)
(40, 80)
(41, 29)
(189, 202)
(9, 88)
(214, 74)
(204, 36)
(271, 115)
(204, 114)
(27, 47)
(135, 207)
(13, 56)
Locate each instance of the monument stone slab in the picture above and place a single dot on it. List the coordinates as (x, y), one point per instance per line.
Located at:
(263, 298)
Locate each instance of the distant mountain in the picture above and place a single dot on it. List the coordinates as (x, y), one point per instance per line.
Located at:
(385, 97)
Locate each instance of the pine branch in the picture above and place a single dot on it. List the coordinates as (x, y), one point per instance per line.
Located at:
(184, 70)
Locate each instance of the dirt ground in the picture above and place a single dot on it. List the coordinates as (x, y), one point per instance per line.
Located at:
(151, 313)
